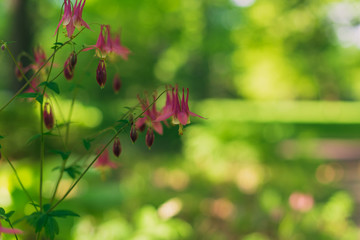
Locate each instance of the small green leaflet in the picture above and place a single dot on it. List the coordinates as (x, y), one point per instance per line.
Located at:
(64, 155)
(87, 143)
(52, 85)
(36, 136)
(28, 95)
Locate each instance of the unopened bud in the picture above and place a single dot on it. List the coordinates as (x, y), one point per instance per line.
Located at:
(133, 134)
(117, 147)
(68, 71)
(48, 116)
(101, 73)
(116, 83)
(149, 138)
(3, 47)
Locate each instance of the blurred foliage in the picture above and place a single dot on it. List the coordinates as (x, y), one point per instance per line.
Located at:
(274, 160)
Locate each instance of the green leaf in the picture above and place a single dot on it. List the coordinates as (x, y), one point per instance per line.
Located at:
(41, 222)
(54, 86)
(36, 136)
(72, 171)
(64, 155)
(9, 214)
(51, 228)
(64, 213)
(27, 95)
(1, 137)
(46, 207)
(87, 143)
(58, 43)
(2, 211)
(40, 98)
(51, 85)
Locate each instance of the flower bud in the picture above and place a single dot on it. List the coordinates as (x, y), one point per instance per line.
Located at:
(149, 138)
(48, 116)
(133, 134)
(117, 147)
(116, 83)
(68, 71)
(3, 47)
(101, 73)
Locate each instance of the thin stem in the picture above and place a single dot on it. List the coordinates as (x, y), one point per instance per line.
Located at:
(42, 150)
(38, 71)
(8, 220)
(98, 155)
(19, 180)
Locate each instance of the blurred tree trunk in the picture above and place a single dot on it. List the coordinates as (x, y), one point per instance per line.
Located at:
(22, 32)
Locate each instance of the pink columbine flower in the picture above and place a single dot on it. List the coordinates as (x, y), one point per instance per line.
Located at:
(179, 110)
(150, 117)
(72, 17)
(106, 45)
(104, 161)
(9, 230)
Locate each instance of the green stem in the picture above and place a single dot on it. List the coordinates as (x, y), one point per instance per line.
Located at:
(8, 220)
(98, 155)
(21, 184)
(42, 150)
(38, 71)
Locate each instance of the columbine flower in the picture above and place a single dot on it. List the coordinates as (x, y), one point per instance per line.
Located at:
(106, 45)
(116, 83)
(150, 116)
(40, 58)
(104, 160)
(48, 116)
(72, 18)
(117, 147)
(23, 69)
(101, 73)
(9, 230)
(179, 111)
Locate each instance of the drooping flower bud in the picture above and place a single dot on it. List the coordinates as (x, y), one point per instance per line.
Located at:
(3, 47)
(117, 83)
(68, 71)
(101, 73)
(48, 116)
(133, 134)
(117, 147)
(149, 138)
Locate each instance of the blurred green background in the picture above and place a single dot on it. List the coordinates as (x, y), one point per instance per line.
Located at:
(277, 157)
